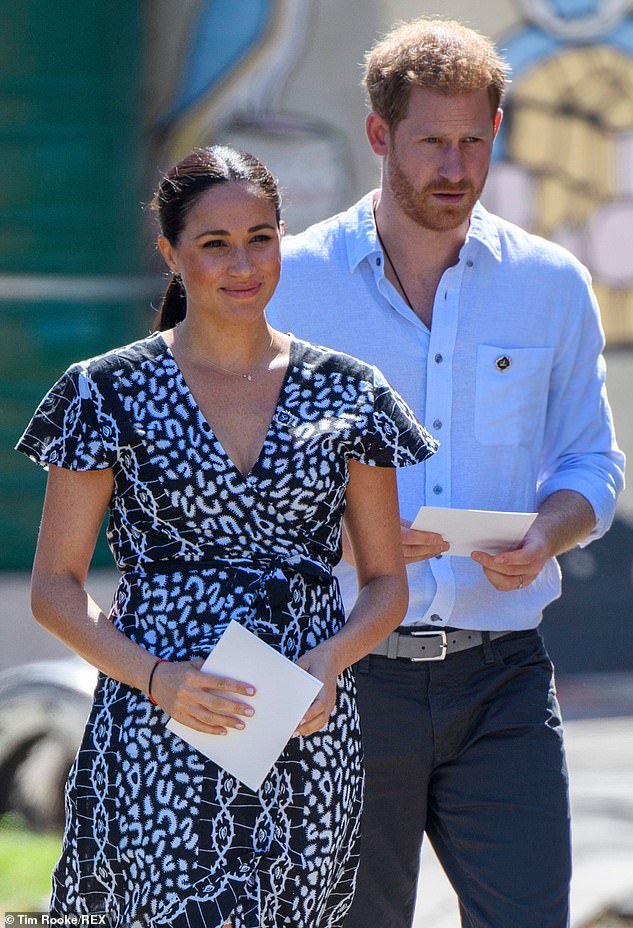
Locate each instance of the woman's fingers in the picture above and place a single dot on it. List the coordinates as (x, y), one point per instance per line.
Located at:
(317, 715)
(209, 681)
(202, 701)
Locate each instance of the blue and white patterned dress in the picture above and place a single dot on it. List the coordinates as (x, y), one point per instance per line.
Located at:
(156, 834)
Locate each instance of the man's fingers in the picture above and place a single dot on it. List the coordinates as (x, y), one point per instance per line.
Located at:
(413, 553)
(506, 583)
(512, 564)
(412, 536)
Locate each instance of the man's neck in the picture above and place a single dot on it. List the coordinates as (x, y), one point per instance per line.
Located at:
(420, 256)
(426, 249)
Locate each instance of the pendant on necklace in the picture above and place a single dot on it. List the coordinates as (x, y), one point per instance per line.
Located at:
(247, 377)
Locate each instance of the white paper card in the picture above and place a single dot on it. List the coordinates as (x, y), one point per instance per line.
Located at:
(468, 530)
(284, 692)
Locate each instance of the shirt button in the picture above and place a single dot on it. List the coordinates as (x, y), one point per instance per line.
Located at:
(469, 263)
(437, 489)
(437, 423)
(377, 262)
(436, 618)
(438, 359)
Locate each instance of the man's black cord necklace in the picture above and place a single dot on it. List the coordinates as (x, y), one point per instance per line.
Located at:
(393, 267)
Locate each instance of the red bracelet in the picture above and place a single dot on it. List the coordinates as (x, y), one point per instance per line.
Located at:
(159, 660)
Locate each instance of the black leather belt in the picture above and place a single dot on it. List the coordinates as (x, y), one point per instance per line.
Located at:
(430, 645)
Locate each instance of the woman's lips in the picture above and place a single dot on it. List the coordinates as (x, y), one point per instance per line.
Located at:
(242, 293)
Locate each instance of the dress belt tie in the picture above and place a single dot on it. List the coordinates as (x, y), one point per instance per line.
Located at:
(296, 563)
(270, 586)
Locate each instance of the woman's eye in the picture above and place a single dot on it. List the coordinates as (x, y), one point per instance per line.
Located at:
(214, 243)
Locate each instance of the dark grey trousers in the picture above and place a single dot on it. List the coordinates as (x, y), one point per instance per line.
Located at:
(470, 752)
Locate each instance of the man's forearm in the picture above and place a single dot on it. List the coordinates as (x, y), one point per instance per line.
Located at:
(565, 518)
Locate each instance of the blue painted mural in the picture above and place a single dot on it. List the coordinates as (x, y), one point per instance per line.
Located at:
(237, 59)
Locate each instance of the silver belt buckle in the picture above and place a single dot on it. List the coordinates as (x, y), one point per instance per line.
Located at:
(444, 646)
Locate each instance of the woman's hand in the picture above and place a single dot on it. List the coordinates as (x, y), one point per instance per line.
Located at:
(322, 663)
(202, 701)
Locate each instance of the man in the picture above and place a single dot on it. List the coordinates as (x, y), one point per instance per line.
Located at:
(493, 336)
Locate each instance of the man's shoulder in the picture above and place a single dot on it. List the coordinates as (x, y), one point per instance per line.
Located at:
(325, 239)
(527, 248)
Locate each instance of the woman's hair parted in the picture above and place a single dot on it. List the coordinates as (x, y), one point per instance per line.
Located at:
(439, 54)
(179, 190)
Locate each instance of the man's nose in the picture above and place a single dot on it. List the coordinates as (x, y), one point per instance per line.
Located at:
(452, 167)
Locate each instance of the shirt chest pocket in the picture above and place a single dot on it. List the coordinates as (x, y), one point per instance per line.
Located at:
(512, 387)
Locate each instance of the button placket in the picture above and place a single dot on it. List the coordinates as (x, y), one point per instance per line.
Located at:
(438, 412)
(439, 385)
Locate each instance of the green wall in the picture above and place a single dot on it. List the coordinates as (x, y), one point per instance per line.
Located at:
(69, 211)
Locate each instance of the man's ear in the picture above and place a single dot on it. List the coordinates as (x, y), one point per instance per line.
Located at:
(378, 134)
(167, 251)
(497, 122)
(282, 227)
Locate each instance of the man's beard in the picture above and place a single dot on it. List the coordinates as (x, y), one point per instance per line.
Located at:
(419, 205)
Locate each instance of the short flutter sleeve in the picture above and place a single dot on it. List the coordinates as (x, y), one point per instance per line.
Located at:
(71, 427)
(393, 436)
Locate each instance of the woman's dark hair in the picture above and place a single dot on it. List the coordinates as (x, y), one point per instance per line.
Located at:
(180, 189)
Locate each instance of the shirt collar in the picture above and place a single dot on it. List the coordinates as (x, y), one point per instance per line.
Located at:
(360, 231)
(362, 240)
(484, 230)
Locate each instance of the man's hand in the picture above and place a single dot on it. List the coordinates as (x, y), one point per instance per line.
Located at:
(514, 570)
(416, 546)
(564, 519)
(420, 546)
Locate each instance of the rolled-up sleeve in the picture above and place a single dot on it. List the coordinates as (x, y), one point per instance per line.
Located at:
(580, 450)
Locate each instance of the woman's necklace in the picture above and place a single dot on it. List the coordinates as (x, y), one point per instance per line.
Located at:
(393, 267)
(245, 376)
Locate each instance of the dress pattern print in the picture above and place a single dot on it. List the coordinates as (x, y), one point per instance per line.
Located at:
(157, 834)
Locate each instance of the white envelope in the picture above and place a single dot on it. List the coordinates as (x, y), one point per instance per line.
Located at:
(284, 692)
(468, 530)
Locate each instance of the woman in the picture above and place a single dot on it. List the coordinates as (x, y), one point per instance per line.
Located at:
(226, 453)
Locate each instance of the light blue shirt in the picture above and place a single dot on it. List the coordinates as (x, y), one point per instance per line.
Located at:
(510, 379)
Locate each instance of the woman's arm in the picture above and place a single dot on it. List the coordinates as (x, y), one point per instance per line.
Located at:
(373, 526)
(74, 508)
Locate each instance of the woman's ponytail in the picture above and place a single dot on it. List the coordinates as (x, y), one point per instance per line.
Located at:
(173, 307)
